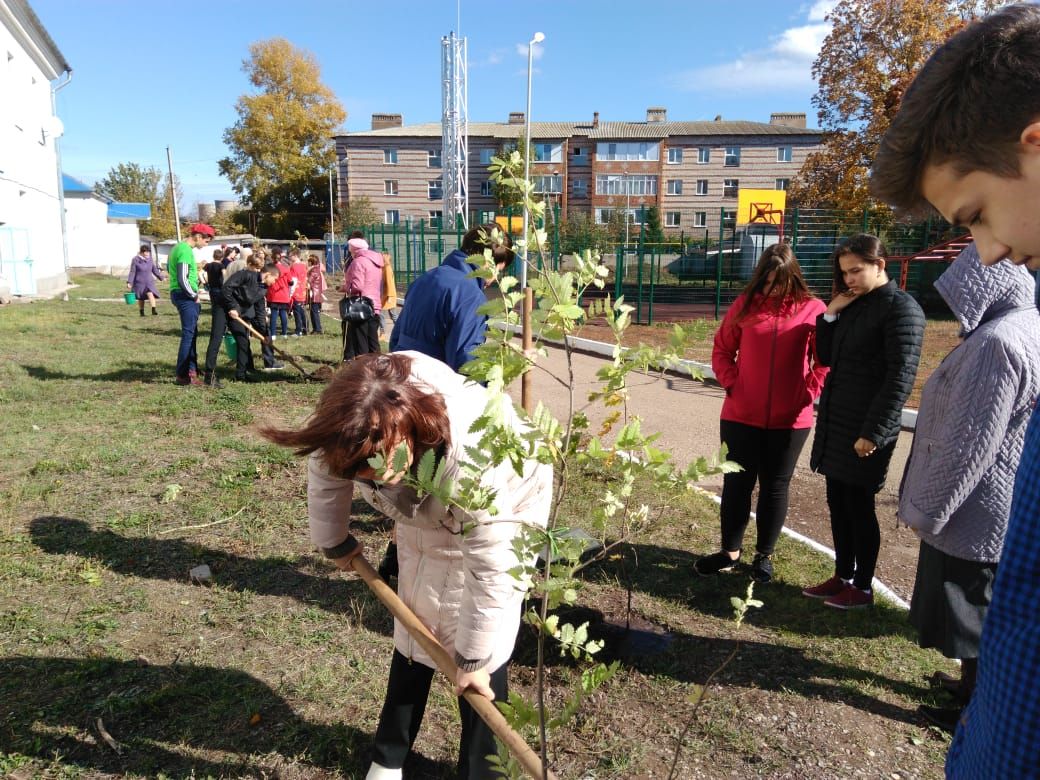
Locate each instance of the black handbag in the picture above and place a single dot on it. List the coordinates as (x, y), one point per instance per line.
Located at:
(356, 308)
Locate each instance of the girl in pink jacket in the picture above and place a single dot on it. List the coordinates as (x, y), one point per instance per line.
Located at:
(315, 290)
(454, 563)
(764, 358)
(363, 276)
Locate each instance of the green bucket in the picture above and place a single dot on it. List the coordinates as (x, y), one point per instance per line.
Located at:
(129, 297)
(230, 347)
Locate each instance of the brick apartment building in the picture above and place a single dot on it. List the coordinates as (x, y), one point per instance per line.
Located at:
(690, 170)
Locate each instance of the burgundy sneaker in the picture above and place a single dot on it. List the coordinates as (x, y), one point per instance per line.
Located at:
(183, 380)
(851, 598)
(827, 589)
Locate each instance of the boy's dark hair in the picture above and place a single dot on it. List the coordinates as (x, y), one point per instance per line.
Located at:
(967, 106)
(144, 248)
(865, 246)
(356, 234)
(271, 268)
(478, 238)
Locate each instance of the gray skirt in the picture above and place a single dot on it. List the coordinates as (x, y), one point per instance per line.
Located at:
(951, 596)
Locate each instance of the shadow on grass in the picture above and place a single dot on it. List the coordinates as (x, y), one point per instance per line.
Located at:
(165, 718)
(172, 559)
(668, 573)
(159, 373)
(177, 720)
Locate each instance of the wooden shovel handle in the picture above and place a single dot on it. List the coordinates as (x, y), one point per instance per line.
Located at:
(483, 706)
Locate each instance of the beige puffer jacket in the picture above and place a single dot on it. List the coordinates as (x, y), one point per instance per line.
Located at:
(458, 585)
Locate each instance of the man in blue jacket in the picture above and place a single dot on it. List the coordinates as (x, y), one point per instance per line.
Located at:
(440, 316)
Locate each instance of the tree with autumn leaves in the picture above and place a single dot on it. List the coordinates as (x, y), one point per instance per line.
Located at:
(871, 55)
(281, 147)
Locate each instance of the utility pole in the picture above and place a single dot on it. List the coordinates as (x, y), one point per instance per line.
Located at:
(173, 193)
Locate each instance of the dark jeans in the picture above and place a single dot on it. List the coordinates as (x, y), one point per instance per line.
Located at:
(316, 318)
(216, 332)
(279, 314)
(259, 323)
(361, 338)
(299, 319)
(406, 694)
(188, 309)
(244, 356)
(854, 526)
(768, 458)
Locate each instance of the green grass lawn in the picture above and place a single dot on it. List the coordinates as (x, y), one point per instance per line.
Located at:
(118, 482)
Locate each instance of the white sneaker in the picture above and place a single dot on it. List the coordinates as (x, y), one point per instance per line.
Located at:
(377, 772)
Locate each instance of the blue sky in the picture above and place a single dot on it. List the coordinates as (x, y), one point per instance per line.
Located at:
(149, 74)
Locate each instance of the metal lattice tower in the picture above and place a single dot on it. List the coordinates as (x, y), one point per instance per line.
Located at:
(454, 131)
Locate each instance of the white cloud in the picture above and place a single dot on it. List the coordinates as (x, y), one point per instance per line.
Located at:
(536, 50)
(785, 64)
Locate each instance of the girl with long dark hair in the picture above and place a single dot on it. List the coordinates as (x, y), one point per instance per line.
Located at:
(764, 358)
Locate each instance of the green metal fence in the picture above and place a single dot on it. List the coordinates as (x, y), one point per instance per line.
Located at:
(695, 273)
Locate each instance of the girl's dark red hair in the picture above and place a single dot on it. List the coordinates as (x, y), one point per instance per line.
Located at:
(370, 406)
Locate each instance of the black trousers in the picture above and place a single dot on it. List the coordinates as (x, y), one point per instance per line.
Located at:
(769, 458)
(244, 358)
(216, 333)
(259, 323)
(406, 693)
(854, 526)
(361, 338)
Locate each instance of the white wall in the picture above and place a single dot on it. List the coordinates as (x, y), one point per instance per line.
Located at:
(29, 205)
(94, 242)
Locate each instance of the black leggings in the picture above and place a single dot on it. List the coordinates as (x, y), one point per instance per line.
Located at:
(406, 694)
(217, 329)
(360, 338)
(854, 526)
(769, 458)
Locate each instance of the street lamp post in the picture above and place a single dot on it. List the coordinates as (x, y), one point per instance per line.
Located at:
(628, 203)
(526, 400)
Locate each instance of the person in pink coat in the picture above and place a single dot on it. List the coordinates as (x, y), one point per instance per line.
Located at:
(316, 287)
(363, 276)
(764, 357)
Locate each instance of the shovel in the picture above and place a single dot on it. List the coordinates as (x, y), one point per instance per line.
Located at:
(528, 759)
(322, 374)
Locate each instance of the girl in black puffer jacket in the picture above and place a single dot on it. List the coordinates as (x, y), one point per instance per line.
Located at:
(870, 336)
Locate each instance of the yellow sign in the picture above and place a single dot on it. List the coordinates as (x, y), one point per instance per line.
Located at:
(760, 206)
(514, 225)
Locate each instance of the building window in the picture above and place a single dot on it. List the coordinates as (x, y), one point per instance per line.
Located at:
(782, 184)
(579, 188)
(436, 219)
(487, 188)
(392, 217)
(628, 151)
(672, 218)
(674, 155)
(433, 158)
(390, 156)
(487, 217)
(390, 187)
(581, 154)
(635, 215)
(548, 152)
(434, 245)
(783, 154)
(700, 219)
(675, 186)
(732, 156)
(729, 219)
(730, 188)
(618, 184)
(702, 186)
(435, 189)
(486, 155)
(548, 184)
(703, 155)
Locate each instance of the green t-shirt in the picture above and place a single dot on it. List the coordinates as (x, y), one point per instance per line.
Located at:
(182, 255)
